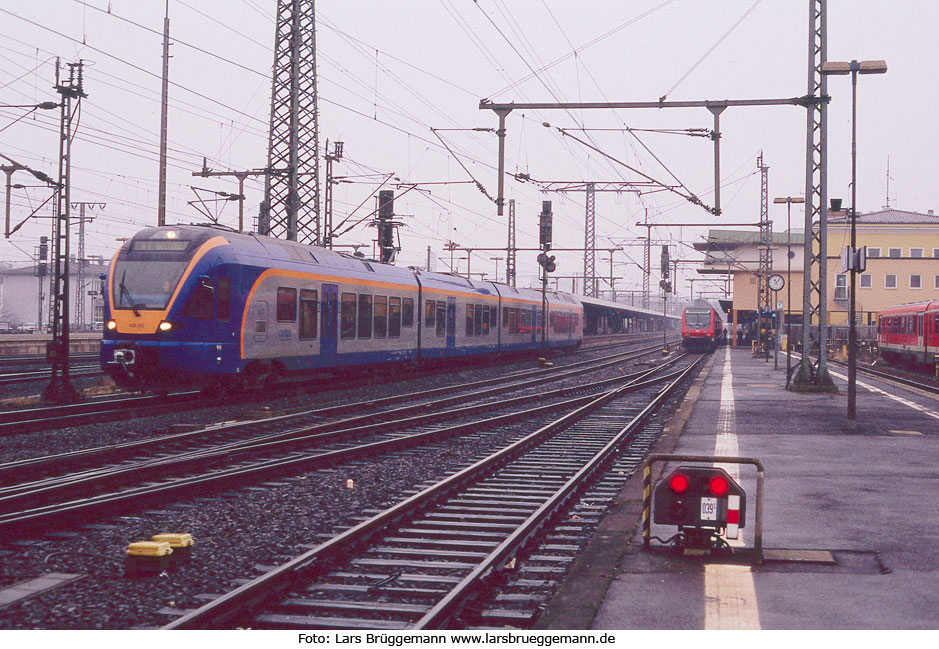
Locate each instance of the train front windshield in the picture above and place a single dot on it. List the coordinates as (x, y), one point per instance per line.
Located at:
(697, 319)
(146, 276)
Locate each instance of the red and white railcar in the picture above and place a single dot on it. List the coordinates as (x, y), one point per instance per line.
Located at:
(909, 333)
(702, 326)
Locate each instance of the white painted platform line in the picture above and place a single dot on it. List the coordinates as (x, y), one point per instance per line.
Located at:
(906, 402)
(729, 593)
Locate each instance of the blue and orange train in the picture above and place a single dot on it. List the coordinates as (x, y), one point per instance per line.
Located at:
(202, 306)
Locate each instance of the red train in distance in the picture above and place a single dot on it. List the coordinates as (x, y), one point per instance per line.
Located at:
(703, 326)
(909, 333)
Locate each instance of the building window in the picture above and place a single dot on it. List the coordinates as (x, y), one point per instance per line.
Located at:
(916, 281)
(841, 287)
(895, 252)
(916, 252)
(890, 281)
(935, 282)
(867, 280)
(935, 252)
(873, 253)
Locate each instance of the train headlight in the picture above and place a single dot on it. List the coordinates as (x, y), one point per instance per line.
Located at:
(112, 325)
(166, 326)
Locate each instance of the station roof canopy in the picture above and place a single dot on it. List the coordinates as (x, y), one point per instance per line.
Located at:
(730, 239)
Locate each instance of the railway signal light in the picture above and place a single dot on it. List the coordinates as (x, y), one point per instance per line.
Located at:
(545, 225)
(699, 497)
(548, 262)
(665, 262)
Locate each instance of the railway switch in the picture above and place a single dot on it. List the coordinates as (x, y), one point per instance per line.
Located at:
(703, 502)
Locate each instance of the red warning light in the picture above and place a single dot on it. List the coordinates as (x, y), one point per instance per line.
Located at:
(678, 483)
(718, 485)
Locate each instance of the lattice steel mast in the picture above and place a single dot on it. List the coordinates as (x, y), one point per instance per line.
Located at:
(590, 240)
(814, 373)
(765, 268)
(291, 191)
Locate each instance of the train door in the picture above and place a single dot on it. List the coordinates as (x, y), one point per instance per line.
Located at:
(329, 323)
(451, 322)
(535, 322)
(259, 312)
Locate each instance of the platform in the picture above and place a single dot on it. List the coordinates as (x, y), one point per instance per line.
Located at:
(850, 518)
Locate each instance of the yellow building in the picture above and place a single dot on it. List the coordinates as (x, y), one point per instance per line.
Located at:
(902, 265)
(736, 253)
(902, 262)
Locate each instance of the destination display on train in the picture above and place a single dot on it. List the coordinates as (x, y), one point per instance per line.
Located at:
(159, 245)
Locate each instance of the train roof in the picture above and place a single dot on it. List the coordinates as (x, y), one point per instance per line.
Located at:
(911, 307)
(619, 306)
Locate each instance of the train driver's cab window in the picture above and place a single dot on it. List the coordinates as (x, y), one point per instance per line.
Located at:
(309, 310)
(286, 304)
(201, 302)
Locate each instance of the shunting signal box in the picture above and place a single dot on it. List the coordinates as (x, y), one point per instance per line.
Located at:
(698, 497)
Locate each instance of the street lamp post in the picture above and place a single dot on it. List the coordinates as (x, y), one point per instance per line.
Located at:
(789, 200)
(853, 67)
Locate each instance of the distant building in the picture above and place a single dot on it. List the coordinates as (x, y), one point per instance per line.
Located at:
(20, 289)
(902, 264)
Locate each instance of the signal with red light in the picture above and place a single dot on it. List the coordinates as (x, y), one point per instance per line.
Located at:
(678, 483)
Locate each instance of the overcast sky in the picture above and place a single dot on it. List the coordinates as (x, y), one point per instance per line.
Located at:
(389, 72)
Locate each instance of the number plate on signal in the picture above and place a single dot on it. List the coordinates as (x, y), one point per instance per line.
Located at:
(709, 509)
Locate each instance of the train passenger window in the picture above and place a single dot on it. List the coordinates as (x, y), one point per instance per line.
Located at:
(478, 320)
(469, 320)
(407, 312)
(309, 312)
(365, 316)
(485, 320)
(286, 304)
(202, 301)
(347, 316)
(430, 308)
(223, 299)
(494, 317)
(538, 315)
(394, 317)
(381, 316)
(441, 318)
(505, 317)
(524, 326)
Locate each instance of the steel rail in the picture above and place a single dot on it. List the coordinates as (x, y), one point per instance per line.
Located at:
(271, 585)
(38, 495)
(83, 457)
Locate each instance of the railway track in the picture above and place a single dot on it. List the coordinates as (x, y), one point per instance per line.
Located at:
(417, 564)
(15, 378)
(15, 422)
(251, 449)
(920, 384)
